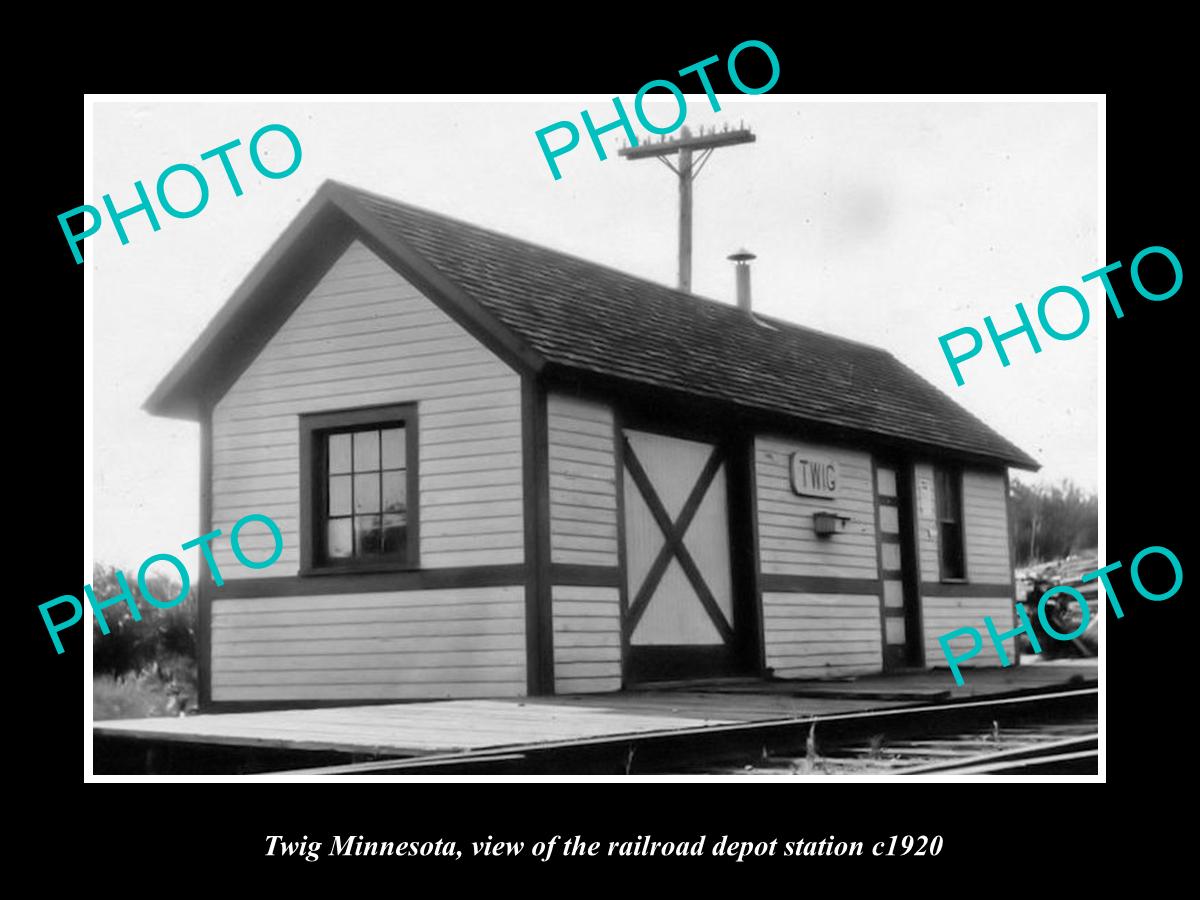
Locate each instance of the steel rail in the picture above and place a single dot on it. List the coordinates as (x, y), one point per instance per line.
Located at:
(1014, 758)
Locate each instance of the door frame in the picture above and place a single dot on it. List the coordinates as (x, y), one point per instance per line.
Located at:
(743, 655)
(913, 655)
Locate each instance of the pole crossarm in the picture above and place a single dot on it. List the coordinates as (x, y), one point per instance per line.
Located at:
(685, 146)
(694, 142)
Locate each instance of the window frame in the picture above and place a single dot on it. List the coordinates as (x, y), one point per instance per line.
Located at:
(954, 475)
(314, 486)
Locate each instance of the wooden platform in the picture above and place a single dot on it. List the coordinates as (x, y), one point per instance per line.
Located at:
(411, 729)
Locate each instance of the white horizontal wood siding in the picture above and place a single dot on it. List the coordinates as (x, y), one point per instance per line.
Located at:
(364, 336)
(985, 527)
(945, 614)
(788, 545)
(465, 642)
(583, 492)
(818, 635)
(587, 639)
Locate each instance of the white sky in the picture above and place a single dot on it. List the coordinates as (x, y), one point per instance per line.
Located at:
(887, 223)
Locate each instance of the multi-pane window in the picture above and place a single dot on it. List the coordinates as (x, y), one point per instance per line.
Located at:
(361, 468)
(948, 489)
(366, 498)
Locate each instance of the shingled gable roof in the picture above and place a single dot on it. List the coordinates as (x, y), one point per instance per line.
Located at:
(541, 307)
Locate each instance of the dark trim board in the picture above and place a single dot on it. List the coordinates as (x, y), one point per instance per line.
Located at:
(371, 582)
(539, 616)
(965, 589)
(818, 584)
(1012, 568)
(664, 662)
(585, 576)
(618, 437)
(204, 584)
(755, 573)
(744, 555)
(906, 474)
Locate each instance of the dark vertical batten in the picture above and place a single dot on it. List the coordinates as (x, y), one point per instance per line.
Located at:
(744, 554)
(622, 558)
(309, 466)
(539, 622)
(910, 555)
(1009, 533)
(204, 585)
(755, 549)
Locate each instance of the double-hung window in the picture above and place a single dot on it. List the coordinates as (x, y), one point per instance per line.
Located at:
(948, 488)
(359, 489)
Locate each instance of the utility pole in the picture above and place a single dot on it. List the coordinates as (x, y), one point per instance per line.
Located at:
(685, 145)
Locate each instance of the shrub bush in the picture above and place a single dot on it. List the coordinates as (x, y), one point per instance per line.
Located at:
(139, 695)
(147, 667)
(131, 646)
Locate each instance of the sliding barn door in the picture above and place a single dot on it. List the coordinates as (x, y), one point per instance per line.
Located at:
(680, 575)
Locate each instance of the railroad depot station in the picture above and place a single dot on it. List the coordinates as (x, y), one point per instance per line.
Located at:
(512, 478)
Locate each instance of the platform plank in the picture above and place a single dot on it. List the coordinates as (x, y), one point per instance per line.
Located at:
(447, 726)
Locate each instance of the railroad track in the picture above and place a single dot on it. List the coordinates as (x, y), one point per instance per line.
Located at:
(1079, 756)
(1045, 732)
(1046, 748)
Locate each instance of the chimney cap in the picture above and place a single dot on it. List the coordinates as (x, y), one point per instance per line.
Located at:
(742, 255)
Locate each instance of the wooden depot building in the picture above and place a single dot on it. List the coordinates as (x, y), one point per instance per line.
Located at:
(501, 470)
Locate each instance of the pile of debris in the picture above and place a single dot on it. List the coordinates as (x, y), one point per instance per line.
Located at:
(1062, 611)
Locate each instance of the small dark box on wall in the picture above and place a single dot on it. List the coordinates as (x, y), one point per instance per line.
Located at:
(827, 523)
